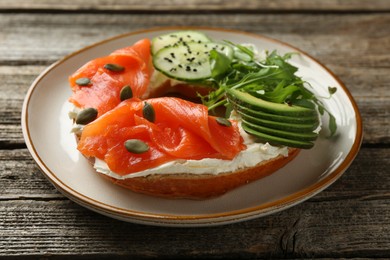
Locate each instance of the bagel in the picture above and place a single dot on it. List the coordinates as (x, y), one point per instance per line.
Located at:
(178, 184)
(194, 186)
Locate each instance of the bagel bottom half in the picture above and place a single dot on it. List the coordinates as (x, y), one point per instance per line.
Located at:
(201, 186)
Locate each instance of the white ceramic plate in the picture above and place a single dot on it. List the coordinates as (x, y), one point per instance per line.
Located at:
(46, 129)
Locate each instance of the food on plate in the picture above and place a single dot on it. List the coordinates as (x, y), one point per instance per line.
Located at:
(99, 82)
(185, 116)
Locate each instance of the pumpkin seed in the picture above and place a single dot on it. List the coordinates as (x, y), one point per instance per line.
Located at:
(136, 146)
(86, 116)
(223, 121)
(126, 93)
(83, 81)
(114, 67)
(148, 112)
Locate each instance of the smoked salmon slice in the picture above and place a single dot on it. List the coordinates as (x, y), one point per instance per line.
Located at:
(103, 90)
(180, 130)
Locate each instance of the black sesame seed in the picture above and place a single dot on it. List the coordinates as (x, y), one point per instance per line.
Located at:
(180, 66)
(188, 68)
(172, 55)
(167, 59)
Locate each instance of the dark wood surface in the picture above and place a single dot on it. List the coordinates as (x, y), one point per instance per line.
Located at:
(350, 219)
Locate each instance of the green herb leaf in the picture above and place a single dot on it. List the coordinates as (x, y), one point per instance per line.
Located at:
(332, 90)
(219, 64)
(332, 124)
(242, 52)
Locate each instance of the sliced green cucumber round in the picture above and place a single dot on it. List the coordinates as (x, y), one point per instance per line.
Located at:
(176, 38)
(277, 140)
(189, 61)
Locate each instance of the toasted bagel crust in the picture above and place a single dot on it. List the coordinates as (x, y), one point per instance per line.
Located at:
(200, 186)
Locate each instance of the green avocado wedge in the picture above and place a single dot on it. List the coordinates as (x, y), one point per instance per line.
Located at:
(302, 136)
(275, 140)
(314, 119)
(297, 128)
(249, 101)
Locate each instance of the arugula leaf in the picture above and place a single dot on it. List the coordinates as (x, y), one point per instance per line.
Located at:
(219, 63)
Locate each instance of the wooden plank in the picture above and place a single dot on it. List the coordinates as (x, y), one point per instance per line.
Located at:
(14, 83)
(21, 178)
(348, 220)
(342, 228)
(333, 39)
(196, 5)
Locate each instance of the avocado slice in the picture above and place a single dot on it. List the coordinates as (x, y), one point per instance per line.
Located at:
(314, 119)
(302, 136)
(249, 101)
(298, 128)
(278, 140)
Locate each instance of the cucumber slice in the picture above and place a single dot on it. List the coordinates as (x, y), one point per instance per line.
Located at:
(278, 118)
(176, 38)
(297, 128)
(252, 102)
(190, 61)
(302, 136)
(278, 140)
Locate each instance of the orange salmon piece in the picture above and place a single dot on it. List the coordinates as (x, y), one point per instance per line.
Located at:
(181, 130)
(177, 112)
(103, 93)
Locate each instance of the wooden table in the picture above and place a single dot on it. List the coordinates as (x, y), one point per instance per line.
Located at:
(349, 219)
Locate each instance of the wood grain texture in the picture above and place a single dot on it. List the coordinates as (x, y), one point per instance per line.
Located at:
(196, 5)
(333, 39)
(350, 219)
(61, 228)
(320, 227)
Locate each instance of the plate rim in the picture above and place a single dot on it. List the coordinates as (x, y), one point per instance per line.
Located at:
(214, 218)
